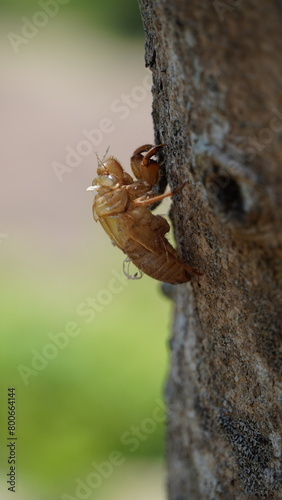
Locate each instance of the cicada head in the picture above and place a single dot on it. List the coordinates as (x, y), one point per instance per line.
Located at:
(110, 176)
(112, 167)
(105, 182)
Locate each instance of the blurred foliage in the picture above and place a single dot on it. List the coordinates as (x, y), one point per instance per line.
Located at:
(119, 18)
(107, 379)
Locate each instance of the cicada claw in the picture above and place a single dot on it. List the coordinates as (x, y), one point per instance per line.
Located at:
(125, 267)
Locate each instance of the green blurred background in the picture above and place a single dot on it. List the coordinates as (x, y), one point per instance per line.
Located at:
(77, 404)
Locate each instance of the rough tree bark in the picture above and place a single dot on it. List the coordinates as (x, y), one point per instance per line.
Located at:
(217, 89)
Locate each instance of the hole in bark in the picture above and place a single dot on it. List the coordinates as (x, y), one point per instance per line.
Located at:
(230, 197)
(227, 192)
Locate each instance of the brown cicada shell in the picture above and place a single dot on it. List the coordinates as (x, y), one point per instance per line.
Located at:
(121, 206)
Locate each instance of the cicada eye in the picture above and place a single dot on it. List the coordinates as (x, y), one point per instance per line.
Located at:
(110, 180)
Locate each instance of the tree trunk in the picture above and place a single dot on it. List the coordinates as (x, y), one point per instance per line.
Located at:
(217, 89)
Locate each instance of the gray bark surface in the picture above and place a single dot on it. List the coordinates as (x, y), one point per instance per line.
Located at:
(217, 104)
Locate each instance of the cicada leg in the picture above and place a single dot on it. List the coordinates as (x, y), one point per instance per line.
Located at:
(125, 267)
(144, 167)
(147, 200)
(151, 152)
